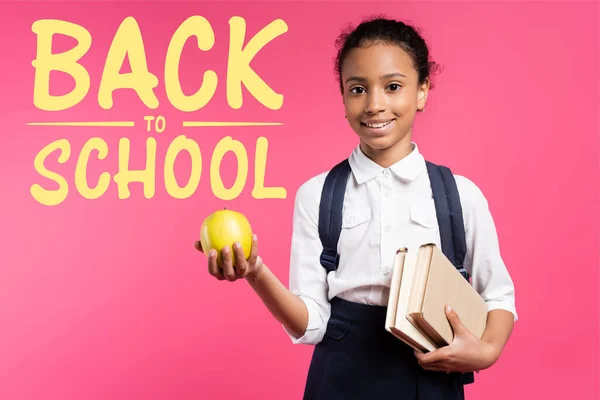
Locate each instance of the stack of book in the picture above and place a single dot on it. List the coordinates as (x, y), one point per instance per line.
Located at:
(422, 284)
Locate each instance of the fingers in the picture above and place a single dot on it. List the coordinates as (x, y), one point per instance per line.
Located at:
(454, 320)
(440, 360)
(448, 369)
(253, 250)
(420, 355)
(241, 265)
(227, 266)
(440, 366)
(233, 263)
(213, 268)
(432, 357)
(436, 367)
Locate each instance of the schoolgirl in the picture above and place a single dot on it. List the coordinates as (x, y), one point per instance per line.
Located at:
(384, 74)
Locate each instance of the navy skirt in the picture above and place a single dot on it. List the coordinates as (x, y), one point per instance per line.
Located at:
(358, 359)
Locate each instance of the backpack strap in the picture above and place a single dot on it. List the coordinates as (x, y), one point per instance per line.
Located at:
(330, 213)
(450, 221)
(449, 215)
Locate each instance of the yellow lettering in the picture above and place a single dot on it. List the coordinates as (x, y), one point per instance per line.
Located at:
(228, 144)
(149, 118)
(193, 26)
(179, 144)
(66, 62)
(81, 169)
(127, 42)
(238, 66)
(160, 124)
(260, 165)
(51, 197)
(146, 176)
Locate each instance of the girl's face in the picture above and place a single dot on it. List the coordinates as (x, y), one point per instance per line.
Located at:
(381, 98)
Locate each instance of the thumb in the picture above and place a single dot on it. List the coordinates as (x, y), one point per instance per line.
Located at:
(455, 322)
(198, 246)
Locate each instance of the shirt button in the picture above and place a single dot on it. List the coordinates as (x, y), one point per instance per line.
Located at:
(386, 192)
(387, 228)
(386, 172)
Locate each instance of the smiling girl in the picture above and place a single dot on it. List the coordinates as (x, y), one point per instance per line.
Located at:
(383, 68)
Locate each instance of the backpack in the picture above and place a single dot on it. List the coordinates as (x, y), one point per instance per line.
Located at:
(448, 211)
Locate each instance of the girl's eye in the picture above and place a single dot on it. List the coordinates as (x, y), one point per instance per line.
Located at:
(357, 90)
(394, 87)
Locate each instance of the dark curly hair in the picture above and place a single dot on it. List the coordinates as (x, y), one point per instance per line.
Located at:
(382, 30)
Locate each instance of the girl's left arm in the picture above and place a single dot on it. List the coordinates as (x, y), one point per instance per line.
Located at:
(490, 277)
(497, 331)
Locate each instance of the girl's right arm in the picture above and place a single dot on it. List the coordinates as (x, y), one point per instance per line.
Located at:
(284, 305)
(304, 308)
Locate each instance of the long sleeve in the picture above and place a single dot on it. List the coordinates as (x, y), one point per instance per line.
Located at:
(308, 278)
(483, 261)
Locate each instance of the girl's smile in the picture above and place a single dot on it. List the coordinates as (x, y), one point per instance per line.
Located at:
(379, 127)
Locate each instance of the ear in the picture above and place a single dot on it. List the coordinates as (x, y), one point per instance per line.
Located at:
(422, 94)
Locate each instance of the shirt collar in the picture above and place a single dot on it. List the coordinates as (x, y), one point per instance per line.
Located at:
(364, 169)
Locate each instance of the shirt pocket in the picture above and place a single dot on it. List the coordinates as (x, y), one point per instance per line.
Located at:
(423, 216)
(355, 223)
(423, 225)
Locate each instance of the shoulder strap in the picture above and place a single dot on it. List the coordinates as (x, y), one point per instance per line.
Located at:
(330, 213)
(449, 215)
(450, 221)
(456, 219)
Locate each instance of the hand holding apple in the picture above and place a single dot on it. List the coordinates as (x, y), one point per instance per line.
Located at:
(232, 248)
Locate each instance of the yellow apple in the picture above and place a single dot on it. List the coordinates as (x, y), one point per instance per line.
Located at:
(224, 228)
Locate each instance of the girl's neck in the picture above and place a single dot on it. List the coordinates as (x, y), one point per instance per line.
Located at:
(391, 155)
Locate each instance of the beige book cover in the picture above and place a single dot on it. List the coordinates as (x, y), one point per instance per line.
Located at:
(436, 282)
(396, 322)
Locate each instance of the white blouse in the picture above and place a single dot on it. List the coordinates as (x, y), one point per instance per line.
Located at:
(384, 209)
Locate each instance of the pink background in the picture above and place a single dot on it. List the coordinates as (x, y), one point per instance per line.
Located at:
(108, 298)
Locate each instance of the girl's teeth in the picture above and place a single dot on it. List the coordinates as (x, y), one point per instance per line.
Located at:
(381, 125)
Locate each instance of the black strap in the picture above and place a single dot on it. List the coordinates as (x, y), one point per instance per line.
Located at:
(330, 213)
(451, 224)
(456, 218)
(449, 215)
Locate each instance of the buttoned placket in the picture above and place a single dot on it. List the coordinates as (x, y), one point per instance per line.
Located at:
(386, 224)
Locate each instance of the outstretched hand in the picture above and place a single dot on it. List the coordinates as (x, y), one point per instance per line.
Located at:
(466, 353)
(241, 269)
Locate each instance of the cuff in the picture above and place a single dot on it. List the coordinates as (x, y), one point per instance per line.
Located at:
(506, 304)
(317, 324)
